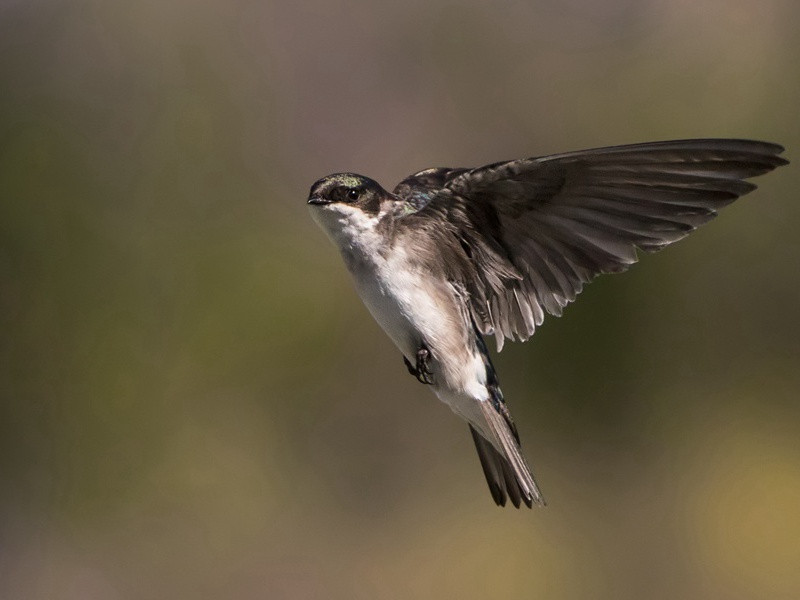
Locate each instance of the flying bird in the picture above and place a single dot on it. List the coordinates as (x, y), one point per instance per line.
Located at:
(453, 254)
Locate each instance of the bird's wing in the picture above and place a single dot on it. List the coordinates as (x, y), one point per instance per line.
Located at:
(420, 188)
(524, 236)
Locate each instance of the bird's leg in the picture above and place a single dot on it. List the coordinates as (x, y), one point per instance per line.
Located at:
(424, 373)
(422, 369)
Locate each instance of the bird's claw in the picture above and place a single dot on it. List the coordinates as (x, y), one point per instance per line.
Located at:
(422, 369)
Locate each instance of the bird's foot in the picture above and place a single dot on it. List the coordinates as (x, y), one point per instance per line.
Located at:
(422, 369)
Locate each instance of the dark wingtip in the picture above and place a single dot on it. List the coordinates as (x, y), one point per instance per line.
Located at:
(779, 161)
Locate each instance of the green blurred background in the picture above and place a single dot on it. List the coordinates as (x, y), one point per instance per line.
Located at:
(195, 404)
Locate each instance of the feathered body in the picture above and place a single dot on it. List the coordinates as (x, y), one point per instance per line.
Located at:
(453, 254)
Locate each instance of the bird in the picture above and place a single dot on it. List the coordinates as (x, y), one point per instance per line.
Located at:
(455, 254)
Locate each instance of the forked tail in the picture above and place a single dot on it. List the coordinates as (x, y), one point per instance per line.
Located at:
(506, 470)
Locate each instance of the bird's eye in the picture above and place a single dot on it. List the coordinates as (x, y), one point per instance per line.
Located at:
(353, 194)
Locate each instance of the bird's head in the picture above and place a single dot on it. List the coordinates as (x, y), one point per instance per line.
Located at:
(347, 204)
(347, 189)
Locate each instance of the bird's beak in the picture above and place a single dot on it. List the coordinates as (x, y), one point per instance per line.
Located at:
(318, 200)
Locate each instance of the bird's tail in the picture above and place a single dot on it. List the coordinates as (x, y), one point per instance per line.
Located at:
(506, 470)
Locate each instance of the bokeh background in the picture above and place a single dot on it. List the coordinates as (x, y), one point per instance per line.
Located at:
(196, 405)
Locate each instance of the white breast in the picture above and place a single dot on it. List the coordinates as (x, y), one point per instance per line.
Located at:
(409, 303)
(399, 299)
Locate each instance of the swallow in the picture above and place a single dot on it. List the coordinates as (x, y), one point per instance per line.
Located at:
(455, 254)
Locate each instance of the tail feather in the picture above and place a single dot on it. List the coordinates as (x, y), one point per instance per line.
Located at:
(491, 462)
(502, 480)
(510, 470)
(497, 442)
(512, 486)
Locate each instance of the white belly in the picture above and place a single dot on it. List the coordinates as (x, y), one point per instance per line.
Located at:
(412, 308)
(397, 300)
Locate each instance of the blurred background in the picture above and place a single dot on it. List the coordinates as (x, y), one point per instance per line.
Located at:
(195, 404)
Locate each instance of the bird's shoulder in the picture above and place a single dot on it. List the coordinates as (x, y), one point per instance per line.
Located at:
(421, 187)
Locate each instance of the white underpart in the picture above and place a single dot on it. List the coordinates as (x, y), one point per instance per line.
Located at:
(410, 305)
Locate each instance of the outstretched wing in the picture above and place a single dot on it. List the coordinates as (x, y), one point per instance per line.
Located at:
(523, 237)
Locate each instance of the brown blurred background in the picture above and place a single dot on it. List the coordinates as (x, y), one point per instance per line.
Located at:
(195, 404)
